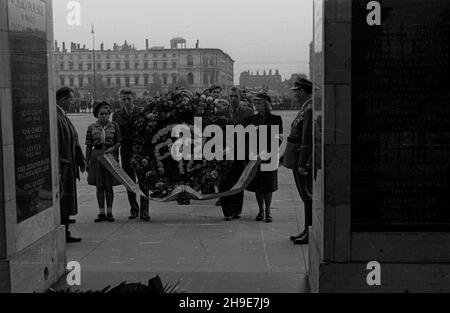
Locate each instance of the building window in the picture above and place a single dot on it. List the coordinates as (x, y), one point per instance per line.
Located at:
(136, 56)
(165, 65)
(99, 66)
(80, 66)
(71, 66)
(155, 64)
(174, 79)
(117, 81)
(80, 82)
(146, 65)
(205, 60)
(136, 65)
(108, 56)
(127, 65)
(127, 81)
(146, 80)
(89, 66)
(155, 55)
(164, 55)
(108, 66)
(89, 80)
(61, 81)
(174, 55)
(190, 60)
(136, 80)
(61, 66)
(205, 78)
(117, 65)
(190, 79)
(174, 65)
(165, 79)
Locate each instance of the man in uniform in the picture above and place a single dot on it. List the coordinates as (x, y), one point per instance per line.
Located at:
(71, 159)
(302, 135)
(126, 118)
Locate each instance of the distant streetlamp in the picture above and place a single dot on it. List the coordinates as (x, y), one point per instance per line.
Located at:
(93, 61)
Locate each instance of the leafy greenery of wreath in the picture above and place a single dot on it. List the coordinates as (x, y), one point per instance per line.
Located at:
(157, 170)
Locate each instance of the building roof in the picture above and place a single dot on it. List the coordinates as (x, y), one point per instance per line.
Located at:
(179, 39)
(152, 50)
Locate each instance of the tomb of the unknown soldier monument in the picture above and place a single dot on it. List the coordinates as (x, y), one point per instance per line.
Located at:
(381, 191)
(32, 246)
(379, 146)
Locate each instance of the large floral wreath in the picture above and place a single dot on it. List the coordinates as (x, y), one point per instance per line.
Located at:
(157, 170)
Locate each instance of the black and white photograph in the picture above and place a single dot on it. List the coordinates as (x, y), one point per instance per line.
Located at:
(247, 148)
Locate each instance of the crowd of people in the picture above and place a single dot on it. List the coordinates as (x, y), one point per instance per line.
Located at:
(79, 105)
(115, 136)
(85, 105)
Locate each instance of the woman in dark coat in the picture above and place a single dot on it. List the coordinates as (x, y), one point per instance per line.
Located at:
(265, 183)
(102, 137)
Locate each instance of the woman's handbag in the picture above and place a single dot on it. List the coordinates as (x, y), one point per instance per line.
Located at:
(291, 156)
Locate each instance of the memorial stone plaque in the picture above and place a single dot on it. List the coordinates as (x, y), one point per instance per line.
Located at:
(401, 117)
(318, 81)
(29, 84)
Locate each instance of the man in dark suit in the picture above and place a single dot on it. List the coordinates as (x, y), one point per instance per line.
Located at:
(302, 133)
(71, 159)
(126, 118)
(232, 206)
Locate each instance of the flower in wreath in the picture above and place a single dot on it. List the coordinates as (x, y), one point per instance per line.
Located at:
(153, 161)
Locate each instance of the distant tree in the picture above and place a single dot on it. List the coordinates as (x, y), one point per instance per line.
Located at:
(155, 87)
(181, 83)
(102, 91)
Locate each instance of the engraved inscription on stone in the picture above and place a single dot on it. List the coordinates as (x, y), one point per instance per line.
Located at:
(29, 83)
(401, 118)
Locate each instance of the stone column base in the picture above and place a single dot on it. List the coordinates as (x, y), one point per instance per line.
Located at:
(37, 267)
(395, 277)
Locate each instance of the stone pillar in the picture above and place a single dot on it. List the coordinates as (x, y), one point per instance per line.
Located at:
(32, 243)
(381, 153)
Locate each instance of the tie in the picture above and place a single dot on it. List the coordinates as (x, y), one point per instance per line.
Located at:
(103, 137)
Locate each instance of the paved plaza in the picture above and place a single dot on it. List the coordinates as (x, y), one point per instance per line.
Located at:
(192, 244)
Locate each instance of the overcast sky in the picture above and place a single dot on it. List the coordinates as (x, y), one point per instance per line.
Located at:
(257, 34)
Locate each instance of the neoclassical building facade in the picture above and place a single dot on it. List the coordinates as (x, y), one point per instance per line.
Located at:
(141, 70)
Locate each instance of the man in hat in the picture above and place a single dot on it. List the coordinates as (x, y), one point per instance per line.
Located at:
(126, 118)
(302, 135)
(71, 160)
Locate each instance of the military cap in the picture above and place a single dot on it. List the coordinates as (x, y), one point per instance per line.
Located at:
(263, 96)
(214, 87)
(302, 84)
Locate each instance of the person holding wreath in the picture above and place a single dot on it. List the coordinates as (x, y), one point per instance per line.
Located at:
(102, 137)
